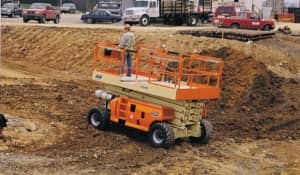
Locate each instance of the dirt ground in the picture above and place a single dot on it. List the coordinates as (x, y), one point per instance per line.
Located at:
(46, 91)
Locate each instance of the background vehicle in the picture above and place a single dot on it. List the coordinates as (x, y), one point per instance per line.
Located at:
(11, 9)
(228, 10)
(114, 6)
(100, 16)
(41, 12)
(175, 12)
(163, 97)
(68, 8)
(246, 21)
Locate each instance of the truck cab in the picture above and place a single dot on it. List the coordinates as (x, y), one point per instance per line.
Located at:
(113, 6)
(142, 12)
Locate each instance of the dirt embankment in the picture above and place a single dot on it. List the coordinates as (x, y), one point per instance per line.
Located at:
(51, 86)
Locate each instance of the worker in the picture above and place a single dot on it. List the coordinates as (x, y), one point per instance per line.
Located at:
(127, 43)
(3, 122)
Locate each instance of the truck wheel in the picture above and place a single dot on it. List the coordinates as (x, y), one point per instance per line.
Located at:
(25, 20)
(56, 20)
(192, 21)
(98, 118)
(42, 20)
(161, 135)
(206, 132)
(235, 26)
(267, 28)
(144, 21)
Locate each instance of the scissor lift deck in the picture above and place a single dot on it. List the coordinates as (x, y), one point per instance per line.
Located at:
(160, 73)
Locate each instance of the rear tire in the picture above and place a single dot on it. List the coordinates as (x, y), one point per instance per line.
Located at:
(90, 21)
(235, 26)
(161, 135)
(192, 21)
(98, 118)
(206, 133)
(25, 20)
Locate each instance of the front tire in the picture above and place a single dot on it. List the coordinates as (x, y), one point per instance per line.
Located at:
(56, 20)
(98, 118)
(42, 20)
(161, 135)
(267, 28)
(144, 21)
(206, 133)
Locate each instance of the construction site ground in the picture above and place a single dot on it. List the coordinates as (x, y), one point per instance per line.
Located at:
(46, 91)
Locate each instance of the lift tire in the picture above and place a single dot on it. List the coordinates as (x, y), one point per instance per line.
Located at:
(161, 135)
(192, 21)
(144, 21)
(98, 118)
(206, 133)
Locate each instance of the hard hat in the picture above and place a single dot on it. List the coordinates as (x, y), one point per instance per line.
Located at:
(127, 27)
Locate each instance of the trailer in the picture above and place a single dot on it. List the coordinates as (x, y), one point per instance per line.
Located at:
(172, 12)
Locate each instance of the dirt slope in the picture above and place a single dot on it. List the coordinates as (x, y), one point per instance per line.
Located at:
(45, 88)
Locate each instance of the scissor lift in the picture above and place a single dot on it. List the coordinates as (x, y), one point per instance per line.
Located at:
(164, 96)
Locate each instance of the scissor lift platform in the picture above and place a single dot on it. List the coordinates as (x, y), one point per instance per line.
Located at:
(160, 73)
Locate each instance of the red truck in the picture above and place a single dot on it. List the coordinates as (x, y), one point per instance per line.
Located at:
(245, 21)
(41, 12)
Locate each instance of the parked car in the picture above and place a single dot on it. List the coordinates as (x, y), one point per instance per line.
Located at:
(11, 9)
(245, 21)
(41, 12)
(100, 16)
(68, 8)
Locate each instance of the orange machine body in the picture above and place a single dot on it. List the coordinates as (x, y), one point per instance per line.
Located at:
(138, 114)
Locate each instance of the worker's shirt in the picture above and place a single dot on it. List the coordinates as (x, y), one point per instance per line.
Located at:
(127, 41)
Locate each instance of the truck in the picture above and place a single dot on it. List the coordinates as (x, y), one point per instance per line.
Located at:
(41, 12)
(174, 12)
(114, 6)
(11, 9)
(246, 20)
(165, 96)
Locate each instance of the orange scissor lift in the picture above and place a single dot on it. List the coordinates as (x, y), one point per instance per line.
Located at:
(165, 95)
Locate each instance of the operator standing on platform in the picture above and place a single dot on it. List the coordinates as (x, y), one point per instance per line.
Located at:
(127, 43)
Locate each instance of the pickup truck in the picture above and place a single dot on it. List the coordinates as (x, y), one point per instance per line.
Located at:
(245, 21)
(41, 12)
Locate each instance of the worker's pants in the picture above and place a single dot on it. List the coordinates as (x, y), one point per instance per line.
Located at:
(129, 64)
